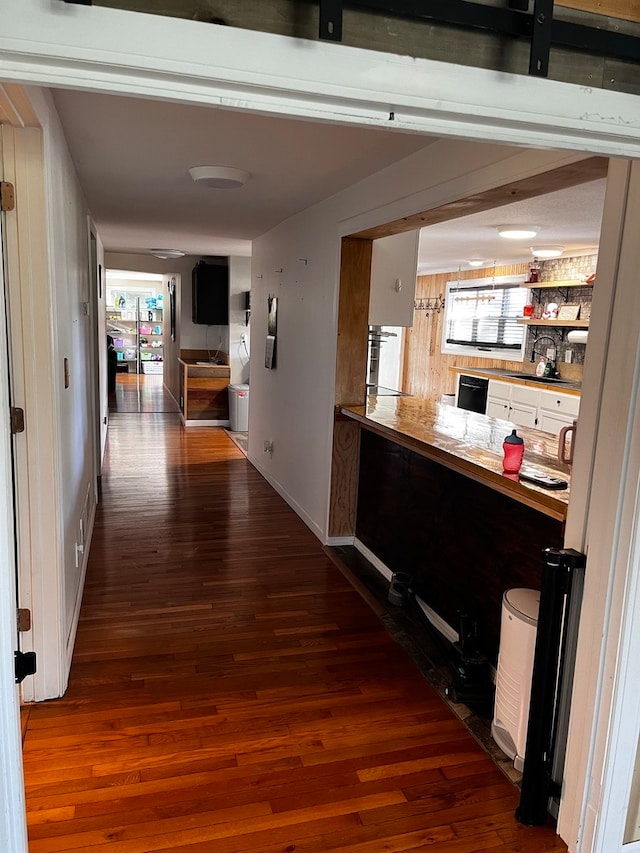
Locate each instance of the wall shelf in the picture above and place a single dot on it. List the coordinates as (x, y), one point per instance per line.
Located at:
(563, 287)
(556, 285)
(571, 324)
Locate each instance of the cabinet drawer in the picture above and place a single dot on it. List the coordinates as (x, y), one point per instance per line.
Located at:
(501, 390)
(566, 404)
(553, 423)
(524, 394)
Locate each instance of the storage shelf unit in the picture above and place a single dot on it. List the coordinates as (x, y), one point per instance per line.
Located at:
(557, 285)
(573, 324)
(133, 343)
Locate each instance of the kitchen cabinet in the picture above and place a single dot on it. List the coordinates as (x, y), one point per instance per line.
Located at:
(394, 265)
(548, 411)
(556, 411)
(515, 403)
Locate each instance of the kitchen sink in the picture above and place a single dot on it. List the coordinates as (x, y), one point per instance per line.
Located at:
(545, 379)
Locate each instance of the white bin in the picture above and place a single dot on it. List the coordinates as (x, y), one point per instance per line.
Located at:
(518, 627)
(239, 408)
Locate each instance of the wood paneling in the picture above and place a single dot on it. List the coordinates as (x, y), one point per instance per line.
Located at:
(344, 478)
(350, 382)
(425, 368)
(628, 10)
(353, 313)
(231, 691)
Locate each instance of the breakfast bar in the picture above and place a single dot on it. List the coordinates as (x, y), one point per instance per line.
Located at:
(433, 501)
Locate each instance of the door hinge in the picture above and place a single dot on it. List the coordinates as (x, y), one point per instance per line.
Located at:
(17, 420)
(24, 620)
(7, 196)
(25, 664)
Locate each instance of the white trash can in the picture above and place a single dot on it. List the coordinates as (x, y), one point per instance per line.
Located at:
(239, 408)
(518, 630)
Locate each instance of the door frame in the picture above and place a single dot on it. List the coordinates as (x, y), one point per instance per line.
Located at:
(13, 833)
(147, 56)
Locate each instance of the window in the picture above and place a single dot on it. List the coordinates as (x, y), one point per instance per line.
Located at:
(481, 317)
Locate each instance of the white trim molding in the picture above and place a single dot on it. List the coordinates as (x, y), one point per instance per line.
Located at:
(112, 50)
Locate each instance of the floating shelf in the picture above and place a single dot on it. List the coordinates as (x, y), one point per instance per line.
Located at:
(557, 285)
(572, 324)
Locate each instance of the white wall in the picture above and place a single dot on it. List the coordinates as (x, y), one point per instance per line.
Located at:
(239, 284)
(292, 406)
(73, 342)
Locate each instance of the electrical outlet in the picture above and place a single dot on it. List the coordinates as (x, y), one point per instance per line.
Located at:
(568, 356)
(243, 338)
(268, 447)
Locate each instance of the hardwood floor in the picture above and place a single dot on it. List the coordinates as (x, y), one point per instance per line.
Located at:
(231, 691)
(141, 392)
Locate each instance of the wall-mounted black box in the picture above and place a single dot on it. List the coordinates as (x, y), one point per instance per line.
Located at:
(210, 284)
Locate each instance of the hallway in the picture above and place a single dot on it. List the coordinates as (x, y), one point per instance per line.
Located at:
(230, 691)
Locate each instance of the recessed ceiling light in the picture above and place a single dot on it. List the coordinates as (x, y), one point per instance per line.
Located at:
(475, 262)
(546, 251)
(219, 177)
(166, 254)
(518, 232)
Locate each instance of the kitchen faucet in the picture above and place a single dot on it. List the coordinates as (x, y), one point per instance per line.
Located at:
(553, 371)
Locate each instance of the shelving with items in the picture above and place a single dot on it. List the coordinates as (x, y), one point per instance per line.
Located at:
(135, 324)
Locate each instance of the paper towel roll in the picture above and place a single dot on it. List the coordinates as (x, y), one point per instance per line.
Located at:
(578, 336)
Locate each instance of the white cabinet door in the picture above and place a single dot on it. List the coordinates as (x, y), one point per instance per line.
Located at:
(498, 409)
(553, 423)
(559, 403)
(394, 266)
(499, 390)
(522, 415)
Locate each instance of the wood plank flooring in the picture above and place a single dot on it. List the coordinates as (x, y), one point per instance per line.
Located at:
(141, 392)
(232, 693)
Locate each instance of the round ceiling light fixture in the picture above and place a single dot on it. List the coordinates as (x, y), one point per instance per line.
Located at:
(219, 177)
(518, 232)
(167, 254)
(475, 262)
(546, 252)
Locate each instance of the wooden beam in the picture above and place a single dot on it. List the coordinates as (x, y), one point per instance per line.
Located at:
(582, 172)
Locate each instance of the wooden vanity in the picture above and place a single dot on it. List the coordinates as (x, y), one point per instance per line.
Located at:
(204, 392)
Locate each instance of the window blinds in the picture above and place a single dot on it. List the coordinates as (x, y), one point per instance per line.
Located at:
(486, 316)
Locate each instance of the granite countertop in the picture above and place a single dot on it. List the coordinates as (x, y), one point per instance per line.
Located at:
(566, 386)
(468, 443)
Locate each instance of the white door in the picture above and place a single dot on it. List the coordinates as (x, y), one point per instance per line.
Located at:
(12, 809)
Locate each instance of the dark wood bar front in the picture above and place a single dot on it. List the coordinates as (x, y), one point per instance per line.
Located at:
(437, 506)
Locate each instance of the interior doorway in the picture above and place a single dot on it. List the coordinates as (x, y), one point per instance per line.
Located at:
(135, 341)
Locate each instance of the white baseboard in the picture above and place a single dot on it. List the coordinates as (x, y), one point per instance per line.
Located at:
(336, 541)
(295, 506)
(194, 423)
(73, 628)
(437, 621)
(376, 562)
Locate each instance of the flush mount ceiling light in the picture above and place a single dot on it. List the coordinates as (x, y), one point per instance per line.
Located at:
(518, 232)
(546, 251)
(219, 177)
(166, 254)
(475, 262)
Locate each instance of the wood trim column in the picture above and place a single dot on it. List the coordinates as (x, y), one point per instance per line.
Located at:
(350, 383)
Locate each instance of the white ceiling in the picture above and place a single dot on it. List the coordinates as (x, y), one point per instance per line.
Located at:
(132, 158)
